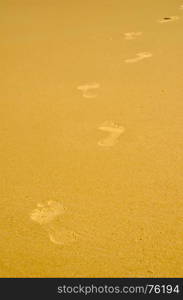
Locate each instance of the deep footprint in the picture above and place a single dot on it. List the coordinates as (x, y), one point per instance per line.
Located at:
(114, 131)
(168, 19)
(47, 216)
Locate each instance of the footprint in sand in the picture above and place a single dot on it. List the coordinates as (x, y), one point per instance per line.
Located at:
(139, 56)
(87, 89)
(47, 215)
(62, 236)
(132, 35)
(114, 131)
(168, 19)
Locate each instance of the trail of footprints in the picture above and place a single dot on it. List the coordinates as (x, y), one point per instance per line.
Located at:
(134, 35)
(89, 90)
(47, 215)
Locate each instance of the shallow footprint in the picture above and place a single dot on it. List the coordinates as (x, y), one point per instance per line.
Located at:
(62, 236)
(168, 19)
(47, 216)
(114, 131)
(139, 56)
(87, 89)
(132, 35)
(44, 214)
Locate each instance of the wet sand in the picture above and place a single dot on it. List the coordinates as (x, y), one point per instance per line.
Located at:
(91, 128)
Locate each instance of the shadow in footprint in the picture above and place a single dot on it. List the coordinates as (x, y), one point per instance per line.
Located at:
(168, 19)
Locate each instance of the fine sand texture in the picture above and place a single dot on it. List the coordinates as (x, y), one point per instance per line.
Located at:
(91, 138)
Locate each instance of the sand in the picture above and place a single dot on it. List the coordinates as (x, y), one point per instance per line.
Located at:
(91, 143)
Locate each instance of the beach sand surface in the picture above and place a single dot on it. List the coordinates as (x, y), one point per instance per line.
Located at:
(91, 138)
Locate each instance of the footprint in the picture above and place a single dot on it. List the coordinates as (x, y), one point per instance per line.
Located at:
(62, 236)
(168, 19)
(139, 56)
(44, 214)
(87, 89)
(47, 216)
(132, 35)
(114, 131)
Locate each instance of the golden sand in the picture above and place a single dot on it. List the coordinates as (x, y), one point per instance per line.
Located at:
(91, 126)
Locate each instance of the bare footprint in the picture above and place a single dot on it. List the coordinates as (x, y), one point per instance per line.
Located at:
(62, 236)
(114, 131)
(168, 19)
(132, 35)
(47, 216)
(87, 89)
(139, 56)
(44, 214)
